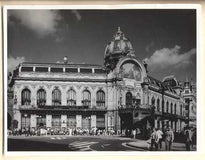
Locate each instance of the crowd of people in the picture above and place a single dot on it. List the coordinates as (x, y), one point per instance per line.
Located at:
(63, 131)
(158, 136)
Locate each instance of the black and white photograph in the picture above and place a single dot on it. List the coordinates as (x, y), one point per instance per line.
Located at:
(82, 80)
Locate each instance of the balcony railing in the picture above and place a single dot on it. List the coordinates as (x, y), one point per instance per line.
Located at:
(63, 107)
(52, 107)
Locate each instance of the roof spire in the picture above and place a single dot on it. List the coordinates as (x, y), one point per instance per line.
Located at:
(118, 29)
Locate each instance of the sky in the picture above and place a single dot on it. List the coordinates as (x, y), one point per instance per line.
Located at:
(166, 39)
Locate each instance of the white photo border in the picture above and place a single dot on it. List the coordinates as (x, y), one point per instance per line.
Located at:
(108, 7)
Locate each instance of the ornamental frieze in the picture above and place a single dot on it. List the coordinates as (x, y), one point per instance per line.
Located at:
(78, 87)
(93, 87)
(48, 86)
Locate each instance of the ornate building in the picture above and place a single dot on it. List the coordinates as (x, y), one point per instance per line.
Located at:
(119, 95)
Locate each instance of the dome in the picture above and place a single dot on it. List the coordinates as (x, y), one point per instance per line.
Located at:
(120, 45)
(170, 81)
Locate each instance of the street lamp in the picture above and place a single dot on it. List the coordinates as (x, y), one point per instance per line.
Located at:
(25, 116)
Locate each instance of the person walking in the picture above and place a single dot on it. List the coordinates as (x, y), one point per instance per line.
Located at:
(159, 134)
(169, 138)
(188, 138)
(154, 140)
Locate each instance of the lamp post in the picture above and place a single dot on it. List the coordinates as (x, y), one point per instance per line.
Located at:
(25, 116)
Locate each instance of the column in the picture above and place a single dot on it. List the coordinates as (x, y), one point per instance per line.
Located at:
(93, 121)
(78, 97)
(48, 97)
(33, 121)
(18, 96)
(160, 124)
(48, 121)
(17, 116)
(63, 121)
(175, 126)
(169, 123)
(64, 97)
(178, 125)
(106, 122)
(79, 121)
(155, 123)
(93, 99)
(33, 97)
(118, 122)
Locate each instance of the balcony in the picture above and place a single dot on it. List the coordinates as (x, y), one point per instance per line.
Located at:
(26, 107)
(62, 107)
(139, 107)
(51, 109)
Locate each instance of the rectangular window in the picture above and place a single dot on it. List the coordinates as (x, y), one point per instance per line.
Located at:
(85, 70)
(41, 69)
(99, 71)
(71, 121)
(25, 121)
(27, 69)
(100, 121)
(57, 70)
(56, 121)
(71, 70)
(138, 101)
(41, 121)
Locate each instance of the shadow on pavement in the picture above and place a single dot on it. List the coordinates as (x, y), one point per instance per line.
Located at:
(25, 145)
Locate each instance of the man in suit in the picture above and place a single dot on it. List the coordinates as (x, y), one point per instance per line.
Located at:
(169, 138)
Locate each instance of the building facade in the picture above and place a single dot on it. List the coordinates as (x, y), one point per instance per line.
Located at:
(119, 95)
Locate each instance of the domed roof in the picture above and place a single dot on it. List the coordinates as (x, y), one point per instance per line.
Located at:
(170, 81)
(119, 45)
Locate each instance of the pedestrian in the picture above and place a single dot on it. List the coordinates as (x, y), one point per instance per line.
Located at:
(169, 138)
(193, 137)
(159, 134)
(154, 140)
(188, 138)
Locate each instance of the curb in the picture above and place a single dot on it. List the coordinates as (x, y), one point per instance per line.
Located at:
(145, 148)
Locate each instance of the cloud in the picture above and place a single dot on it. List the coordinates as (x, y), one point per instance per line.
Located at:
(42, 22)
(170, 57)
(14, 62)
(77, 14)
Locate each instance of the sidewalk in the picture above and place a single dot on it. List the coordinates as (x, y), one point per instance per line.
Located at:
(142, 144)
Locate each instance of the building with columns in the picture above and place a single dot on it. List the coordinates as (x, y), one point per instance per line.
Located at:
(119, 95)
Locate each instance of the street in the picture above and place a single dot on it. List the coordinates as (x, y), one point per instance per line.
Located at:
(70, 143)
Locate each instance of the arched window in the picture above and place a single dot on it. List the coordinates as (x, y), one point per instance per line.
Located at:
(171, 108)
(41, 97)
(153, 101)
(128, 99)
(26, 97)
(158, 104)
(56, 97)
(86, 98)
(100, 98)
(163, 106)
(181, 110)
(175, 109)
(167, 107)
(71, 99)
